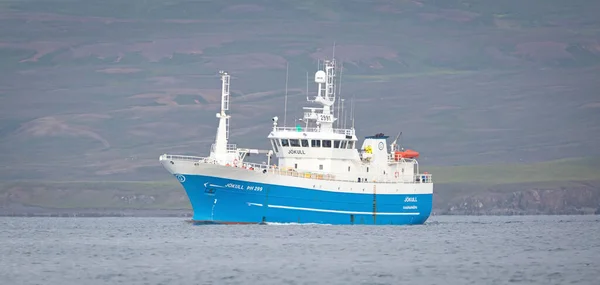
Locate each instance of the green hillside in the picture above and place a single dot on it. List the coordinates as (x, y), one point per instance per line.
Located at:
(572, 169)
(97, 91)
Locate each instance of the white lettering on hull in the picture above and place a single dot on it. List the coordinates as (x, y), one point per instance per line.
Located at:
(410, 200)
(241, 187)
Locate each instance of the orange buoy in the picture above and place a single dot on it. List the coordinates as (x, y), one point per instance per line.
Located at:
(409, 153)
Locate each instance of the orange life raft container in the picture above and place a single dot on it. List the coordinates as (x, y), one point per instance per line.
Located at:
(409, 153)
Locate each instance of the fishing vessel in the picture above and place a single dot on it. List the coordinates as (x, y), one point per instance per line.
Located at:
(314, 172)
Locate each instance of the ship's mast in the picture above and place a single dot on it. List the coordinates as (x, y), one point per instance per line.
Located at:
(325, 80)
(219, 149)
(225, 100)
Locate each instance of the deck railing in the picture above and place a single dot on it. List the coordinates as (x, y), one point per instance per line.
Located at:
(423, 178)
(231, 148)
(261, 167)
(183, 158)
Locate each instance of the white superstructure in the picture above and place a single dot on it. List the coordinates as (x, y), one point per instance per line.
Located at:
(319, 147)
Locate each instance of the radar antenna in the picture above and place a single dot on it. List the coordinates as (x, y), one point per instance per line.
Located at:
(325, 78)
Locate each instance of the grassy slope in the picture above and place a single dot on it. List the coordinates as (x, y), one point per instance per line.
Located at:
(468, 82)
(572, 169)
(86, 194)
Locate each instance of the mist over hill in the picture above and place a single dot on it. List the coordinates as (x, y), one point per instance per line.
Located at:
(98, 90)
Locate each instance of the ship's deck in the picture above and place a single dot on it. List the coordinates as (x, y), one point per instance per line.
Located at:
(265, 168)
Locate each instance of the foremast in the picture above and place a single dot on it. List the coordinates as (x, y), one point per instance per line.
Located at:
(219, 150)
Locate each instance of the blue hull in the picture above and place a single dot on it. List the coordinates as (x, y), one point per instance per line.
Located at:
(216, 200)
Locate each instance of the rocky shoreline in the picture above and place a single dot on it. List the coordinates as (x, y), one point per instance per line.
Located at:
(574, 198)
(17, 210)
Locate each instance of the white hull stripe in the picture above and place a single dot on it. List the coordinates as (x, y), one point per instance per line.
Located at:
(343, 212)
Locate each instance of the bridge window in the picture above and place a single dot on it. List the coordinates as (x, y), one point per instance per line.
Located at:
(277, 142)
(344, 144)
(327, 143)
(274, 141)
(348, 168)
(336, 144)
(316, 143)
(296, 165)
(367, 170)
(294, 143)
(304, 143)
(320, 166)
(285, 142)
(351, 144)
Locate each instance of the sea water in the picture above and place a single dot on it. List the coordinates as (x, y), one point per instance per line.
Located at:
(446, 250)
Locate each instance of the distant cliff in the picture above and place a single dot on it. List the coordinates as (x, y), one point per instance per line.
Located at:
(518, 199)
